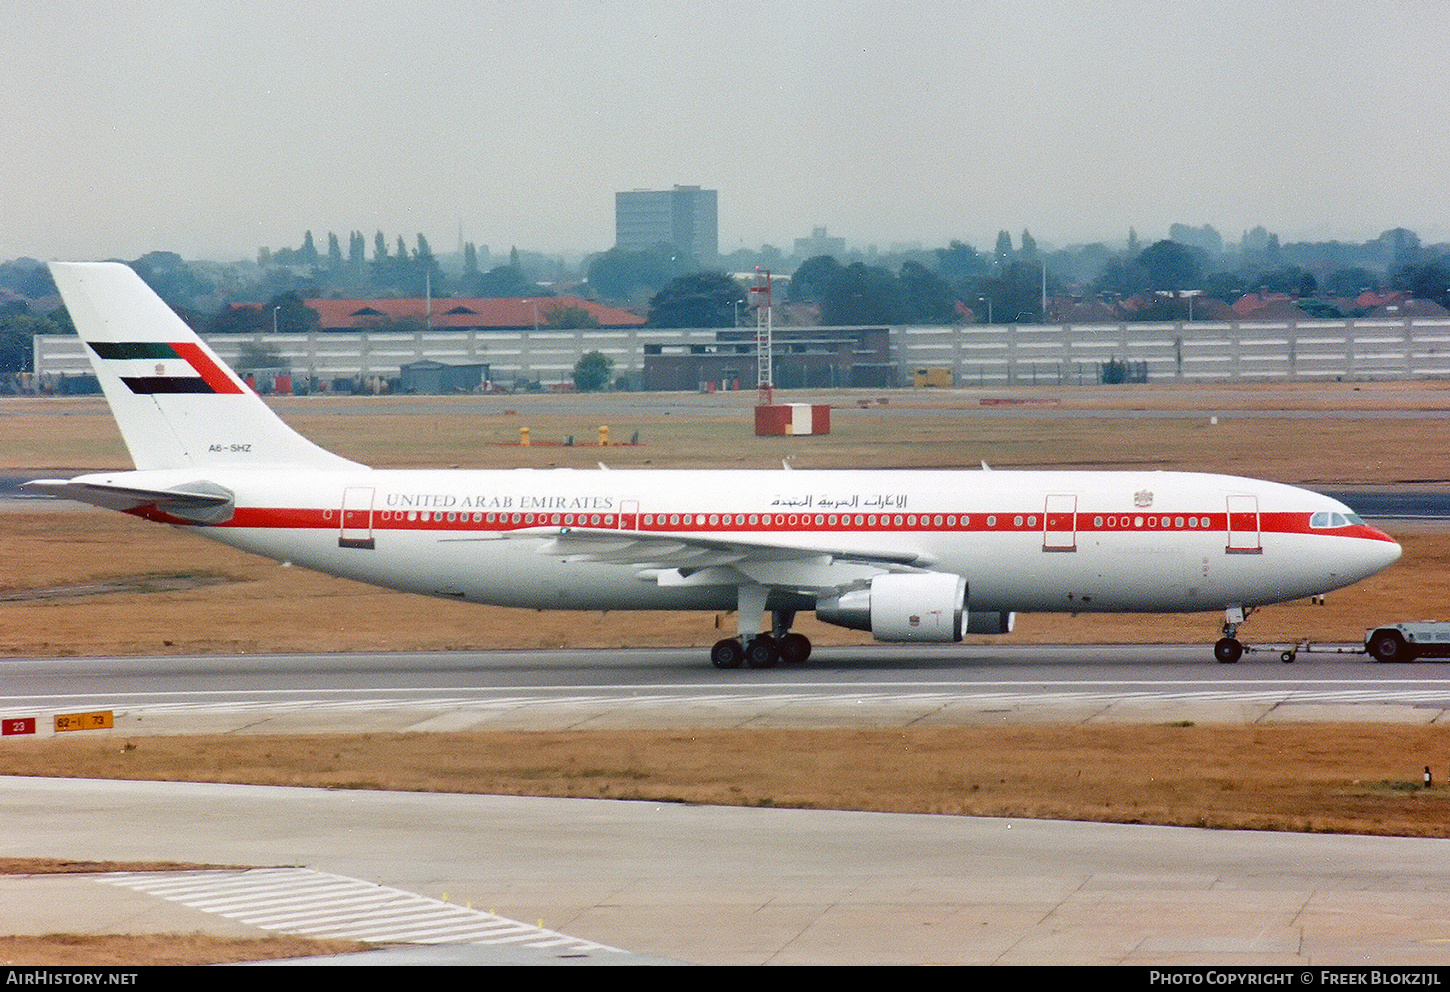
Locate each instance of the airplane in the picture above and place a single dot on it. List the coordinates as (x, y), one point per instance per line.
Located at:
(910, 556)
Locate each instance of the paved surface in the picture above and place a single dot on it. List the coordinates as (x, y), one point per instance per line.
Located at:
(603, 882)
(880, 685)
(755, 886)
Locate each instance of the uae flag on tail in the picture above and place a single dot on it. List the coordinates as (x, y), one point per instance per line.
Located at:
(165, 367)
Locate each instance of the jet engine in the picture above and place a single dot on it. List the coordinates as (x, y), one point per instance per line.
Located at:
(991, 623)
(918, 606)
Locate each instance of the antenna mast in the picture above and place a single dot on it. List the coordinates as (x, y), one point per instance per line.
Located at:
(764, 328)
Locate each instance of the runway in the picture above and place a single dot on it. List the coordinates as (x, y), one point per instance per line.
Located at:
(857, 686)
(605, 882)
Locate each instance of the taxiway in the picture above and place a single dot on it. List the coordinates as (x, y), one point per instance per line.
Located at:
(597, 881)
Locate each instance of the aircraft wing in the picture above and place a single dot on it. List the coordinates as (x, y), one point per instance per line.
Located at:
(674, 559)
(201, 502)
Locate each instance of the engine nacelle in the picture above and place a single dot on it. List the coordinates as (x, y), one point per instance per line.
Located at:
(991, 623)
(918, 606)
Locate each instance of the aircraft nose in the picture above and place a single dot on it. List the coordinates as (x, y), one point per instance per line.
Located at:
(1379, 551)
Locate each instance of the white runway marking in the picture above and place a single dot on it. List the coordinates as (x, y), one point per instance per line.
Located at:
(307, 903)
(483, 700)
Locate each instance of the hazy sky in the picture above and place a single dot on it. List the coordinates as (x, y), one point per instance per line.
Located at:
(212, 128)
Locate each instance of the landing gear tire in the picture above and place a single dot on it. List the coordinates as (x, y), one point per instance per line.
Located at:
(795, 649)
(1388, 647)
(762, 652)
(727, 653)
(1228, 650)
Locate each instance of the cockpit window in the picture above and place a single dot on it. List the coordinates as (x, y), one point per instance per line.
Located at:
(1325, 519)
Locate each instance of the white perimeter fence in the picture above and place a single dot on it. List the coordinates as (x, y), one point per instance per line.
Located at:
(977, 354)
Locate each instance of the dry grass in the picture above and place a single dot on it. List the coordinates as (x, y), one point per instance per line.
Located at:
(939, 429)
(138, 950)
(1340, 778)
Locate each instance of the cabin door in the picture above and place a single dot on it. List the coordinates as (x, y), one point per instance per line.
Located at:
(357, 518)
(1243, 526)
(1059, 523)
(629, 514)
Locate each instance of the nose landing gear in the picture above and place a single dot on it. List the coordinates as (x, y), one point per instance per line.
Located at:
(1228, 650)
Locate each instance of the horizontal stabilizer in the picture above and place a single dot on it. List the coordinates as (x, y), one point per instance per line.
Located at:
(201, 502)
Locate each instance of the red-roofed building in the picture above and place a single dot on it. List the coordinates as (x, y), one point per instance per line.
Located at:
(486, 314)
(1408, 308)
(1370, 299)
(1252, 302)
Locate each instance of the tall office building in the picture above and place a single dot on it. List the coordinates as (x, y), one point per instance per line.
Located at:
(686, 217)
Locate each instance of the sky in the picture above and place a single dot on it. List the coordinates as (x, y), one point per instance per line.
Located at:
(214, 128)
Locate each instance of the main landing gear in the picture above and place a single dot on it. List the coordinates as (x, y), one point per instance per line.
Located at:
(757, 650)
(1228, 649)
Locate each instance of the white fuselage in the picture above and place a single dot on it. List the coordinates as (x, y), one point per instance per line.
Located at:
(920, 556)
(1024, 541)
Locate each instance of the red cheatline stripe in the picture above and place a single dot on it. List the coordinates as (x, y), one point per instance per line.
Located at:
(1271, 522)
(212, 374)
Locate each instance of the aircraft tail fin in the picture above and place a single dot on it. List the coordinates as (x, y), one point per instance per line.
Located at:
(176, 403)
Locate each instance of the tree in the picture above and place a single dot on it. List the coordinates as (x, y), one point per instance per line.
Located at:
(1350, 282)
(1171, 266)
(502, 282)
(1272, 252)
(426, 271)
(1003, 254)
(1122, 277)
(171, 278)
(356, 247)
(1204, 237)
(618, 274)
(570, 318)
(239, 318)
(60, 317)
(27, 277)
(704, 299)
(1226, 286)
(1427, 282)
(17, 334)
(592, 372)
(925, 296)
(1290, 280)
(813, 278)
(292, 316)
(1399, 247)
(958, 262)
(1016, 294)
(862, 294)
